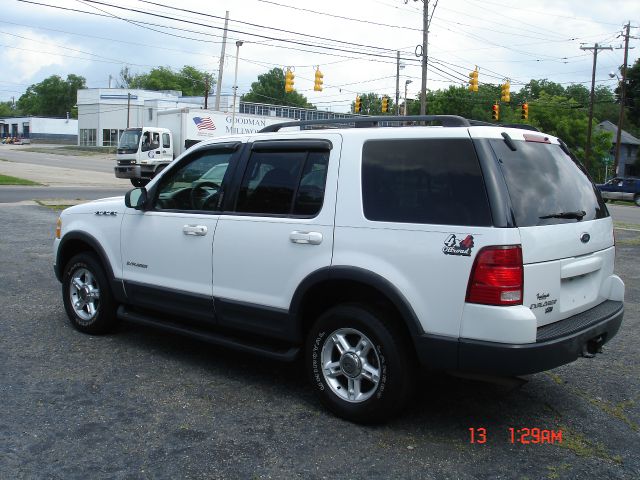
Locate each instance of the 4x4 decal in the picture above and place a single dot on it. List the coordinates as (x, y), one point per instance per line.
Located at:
(453, 246)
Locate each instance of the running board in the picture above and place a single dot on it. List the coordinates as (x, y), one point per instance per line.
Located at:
(283, 354)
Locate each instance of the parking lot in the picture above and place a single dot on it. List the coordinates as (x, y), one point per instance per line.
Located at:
(145, 404)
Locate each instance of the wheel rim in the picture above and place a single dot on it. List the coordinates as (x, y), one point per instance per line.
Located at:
(350, 365)
(85, 294)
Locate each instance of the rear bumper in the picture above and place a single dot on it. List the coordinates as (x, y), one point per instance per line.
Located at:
(557, 344)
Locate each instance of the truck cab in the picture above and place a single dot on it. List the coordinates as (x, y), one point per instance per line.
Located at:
(142, 153)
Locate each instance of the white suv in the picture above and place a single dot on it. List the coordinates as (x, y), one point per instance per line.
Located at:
(370, 252)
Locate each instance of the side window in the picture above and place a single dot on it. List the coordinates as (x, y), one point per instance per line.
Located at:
(310, 193)
(166, 142)
(285, 183)
(435, 181)
(196, 185)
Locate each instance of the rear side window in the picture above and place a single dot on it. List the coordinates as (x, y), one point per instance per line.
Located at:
(284, 183)
(435, 181)
(544, 182)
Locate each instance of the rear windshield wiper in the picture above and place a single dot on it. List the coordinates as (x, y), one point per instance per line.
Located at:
(578, 215)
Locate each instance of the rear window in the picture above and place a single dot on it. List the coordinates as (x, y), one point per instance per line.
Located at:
(543, 181)
(433, 181)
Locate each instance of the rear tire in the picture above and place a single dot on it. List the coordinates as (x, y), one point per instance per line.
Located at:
(87, 296)
(359, 364)
(636, 200)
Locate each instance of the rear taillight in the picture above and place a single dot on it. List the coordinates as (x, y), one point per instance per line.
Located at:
(497, 276)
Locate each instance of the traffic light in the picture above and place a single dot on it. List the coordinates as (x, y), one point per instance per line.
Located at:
(473, 80)
(524, 114)
(358, 105)
(288, 80)
(495, 112)
(505, 93)
(317, 86)
(385, 104)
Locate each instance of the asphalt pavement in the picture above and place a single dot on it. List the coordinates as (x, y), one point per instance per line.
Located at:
(144, 404)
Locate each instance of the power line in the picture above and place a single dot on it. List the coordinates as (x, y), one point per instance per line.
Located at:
(370, 22)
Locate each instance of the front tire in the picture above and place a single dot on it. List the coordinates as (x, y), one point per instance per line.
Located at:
(636, 200)
(86, 295)
(359, 364)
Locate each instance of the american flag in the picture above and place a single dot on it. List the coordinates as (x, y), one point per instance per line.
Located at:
(204, 123)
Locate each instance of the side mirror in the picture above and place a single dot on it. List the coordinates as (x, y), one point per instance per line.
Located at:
(136, 198)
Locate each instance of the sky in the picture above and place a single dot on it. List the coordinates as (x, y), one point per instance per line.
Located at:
(354, 43)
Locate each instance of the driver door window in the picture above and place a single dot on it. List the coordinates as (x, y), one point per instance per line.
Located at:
(196, 185)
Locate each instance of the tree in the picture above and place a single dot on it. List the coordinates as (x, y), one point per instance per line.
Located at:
(189, 80)
(7, 109)
(52, 97)
(371, 104)
(533, 89)
(632, 93)
(270, 89)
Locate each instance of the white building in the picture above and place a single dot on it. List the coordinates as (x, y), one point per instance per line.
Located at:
(40, 129)
(104, 112)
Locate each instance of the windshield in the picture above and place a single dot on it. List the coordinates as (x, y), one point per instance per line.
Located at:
(546, 186)
(130, 139)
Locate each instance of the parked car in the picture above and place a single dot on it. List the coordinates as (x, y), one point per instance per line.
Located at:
(621, 189)
(367, 253)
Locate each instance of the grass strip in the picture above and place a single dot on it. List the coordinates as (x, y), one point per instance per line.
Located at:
(9, 180)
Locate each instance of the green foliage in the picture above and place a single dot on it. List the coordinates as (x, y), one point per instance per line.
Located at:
(52, 97)
(7, 110)
(632, 93)
(371, 104)
(270, 89)
(533, 89)
(189, 80)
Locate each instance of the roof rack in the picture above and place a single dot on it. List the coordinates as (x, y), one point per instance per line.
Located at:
(444, 120)
(521, 126)
(398, 121)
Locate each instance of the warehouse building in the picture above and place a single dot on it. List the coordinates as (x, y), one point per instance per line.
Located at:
(40, 129)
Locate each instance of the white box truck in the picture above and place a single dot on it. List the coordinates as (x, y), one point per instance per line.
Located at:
(142, 152)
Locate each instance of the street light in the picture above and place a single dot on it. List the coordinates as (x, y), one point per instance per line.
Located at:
(235, 87)
(406, 83)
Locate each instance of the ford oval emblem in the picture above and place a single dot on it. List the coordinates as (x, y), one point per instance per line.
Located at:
(585, 238)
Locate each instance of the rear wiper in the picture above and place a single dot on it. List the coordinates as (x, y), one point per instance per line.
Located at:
(577, 215)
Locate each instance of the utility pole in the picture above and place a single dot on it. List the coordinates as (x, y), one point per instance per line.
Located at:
(235, 87)
(397, 82)
(206, 91)
(425, 46)
(622, 84)
(221, 67)
(595, 48)
(128, 108)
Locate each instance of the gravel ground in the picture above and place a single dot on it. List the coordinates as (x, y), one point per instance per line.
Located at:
(145, 404)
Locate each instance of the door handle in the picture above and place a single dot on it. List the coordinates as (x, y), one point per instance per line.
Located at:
(310, 238)
(199, 230)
